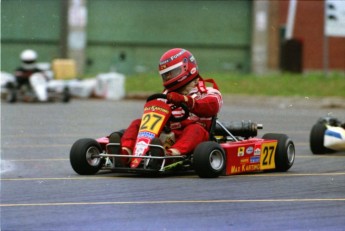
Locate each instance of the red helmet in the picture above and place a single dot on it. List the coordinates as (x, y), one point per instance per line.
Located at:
(177, 67)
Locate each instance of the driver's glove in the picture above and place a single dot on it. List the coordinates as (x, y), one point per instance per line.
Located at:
(178, 99)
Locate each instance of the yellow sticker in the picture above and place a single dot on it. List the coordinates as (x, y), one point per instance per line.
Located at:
(240, 151)
(268, 152)
(151, 122)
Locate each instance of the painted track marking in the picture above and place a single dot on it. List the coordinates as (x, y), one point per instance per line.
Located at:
(178, 202)
(190, 176)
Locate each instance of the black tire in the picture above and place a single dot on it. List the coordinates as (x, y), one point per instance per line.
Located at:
(285, 151)
(66, 96)
(209, 160)
(120, 132)
(11, 96)
(81, 156)
(116, 149)
(155, 164)
(316, 139)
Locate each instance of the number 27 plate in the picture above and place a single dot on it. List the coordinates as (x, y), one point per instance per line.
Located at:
(267, 160)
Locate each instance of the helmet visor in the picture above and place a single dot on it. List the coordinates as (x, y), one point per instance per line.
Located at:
(171, 72)
(29, 61)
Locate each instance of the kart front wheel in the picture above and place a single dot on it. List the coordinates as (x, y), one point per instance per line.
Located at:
(66, 96)
(209, 160)
(84, 156)
(285, 151)
(316, 139)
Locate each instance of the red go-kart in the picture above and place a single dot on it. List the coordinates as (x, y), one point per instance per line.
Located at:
(232, 148)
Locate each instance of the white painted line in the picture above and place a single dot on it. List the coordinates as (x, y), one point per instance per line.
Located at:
(306, 200)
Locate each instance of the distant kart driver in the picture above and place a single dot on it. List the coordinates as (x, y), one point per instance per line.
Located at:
(183, 84)
(27, 68)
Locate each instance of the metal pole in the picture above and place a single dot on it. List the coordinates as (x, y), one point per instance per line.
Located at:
(260, 37)
(325, 56)
(64, 29)
(77, 21)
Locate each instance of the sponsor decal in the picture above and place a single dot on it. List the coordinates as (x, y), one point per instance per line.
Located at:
(192, 59)
(250, 167)
(176, 125)
(235, 169)
(146, 134)
(244, 160)
(140, 148)
(193, 70)
(182, 78)
(257, 152)
(163, 66)
(245, 168)
(171, 59)
(249, 150)
(155, 108)
(169, 142)
(163, 63)
(177, 55)
(240, 151)
(254, 159)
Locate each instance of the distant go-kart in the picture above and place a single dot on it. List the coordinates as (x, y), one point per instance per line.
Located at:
(39, 89)
(327, 136)
(232, 148)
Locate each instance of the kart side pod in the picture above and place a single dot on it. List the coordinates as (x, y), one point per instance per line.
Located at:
(273, 152)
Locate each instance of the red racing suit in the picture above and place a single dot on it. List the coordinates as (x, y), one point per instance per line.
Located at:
(195, 129)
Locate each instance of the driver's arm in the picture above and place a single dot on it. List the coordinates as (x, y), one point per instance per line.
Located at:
(207, 105)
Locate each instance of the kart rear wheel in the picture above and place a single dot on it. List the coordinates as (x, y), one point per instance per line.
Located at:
(316, 139)
(285, 151)
(83, 156)
(209, 160)
(11, 96)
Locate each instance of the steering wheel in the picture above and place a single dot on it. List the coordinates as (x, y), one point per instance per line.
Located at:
(173, 107)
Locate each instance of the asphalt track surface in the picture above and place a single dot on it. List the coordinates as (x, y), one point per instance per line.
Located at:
(40, 191)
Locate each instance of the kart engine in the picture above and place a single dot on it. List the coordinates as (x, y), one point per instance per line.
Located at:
(238, 128)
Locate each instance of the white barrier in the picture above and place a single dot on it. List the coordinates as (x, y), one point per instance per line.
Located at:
(110, 86)
(82, 88)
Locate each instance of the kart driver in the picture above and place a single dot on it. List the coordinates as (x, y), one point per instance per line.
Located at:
(183, 84)
(28, 67)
